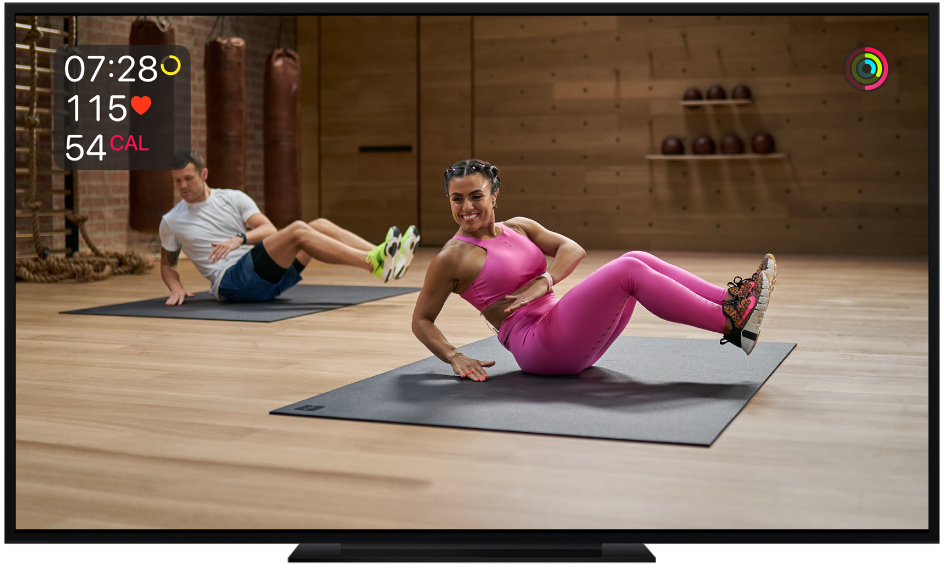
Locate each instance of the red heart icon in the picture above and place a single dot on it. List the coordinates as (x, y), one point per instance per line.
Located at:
(141, 104)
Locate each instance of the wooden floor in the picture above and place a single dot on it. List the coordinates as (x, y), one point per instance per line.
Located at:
(164, 423)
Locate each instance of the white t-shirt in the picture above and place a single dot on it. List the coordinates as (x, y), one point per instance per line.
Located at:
(193, 227)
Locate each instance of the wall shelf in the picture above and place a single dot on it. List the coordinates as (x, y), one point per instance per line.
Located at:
(772, 155)
(713, 102)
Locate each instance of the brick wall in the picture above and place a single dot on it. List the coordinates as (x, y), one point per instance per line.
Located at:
(104, 195)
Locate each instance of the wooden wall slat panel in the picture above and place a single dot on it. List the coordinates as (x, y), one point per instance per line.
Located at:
(368, 98)
(627, 91)
(445, 116)
(563, 104)
(308, 53)
(501, 27)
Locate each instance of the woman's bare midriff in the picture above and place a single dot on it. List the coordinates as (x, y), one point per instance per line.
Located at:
(495, 313)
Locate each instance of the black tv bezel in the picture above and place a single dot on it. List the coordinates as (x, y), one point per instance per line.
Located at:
(931, 535)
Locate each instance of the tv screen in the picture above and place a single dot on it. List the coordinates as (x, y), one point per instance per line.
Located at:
(235, 231)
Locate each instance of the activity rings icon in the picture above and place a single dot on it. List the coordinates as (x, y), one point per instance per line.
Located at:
(866, 68)
(163, 61)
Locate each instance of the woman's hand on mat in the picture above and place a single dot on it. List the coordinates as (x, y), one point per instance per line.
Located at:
(222, 249)
(471, 368)
(177, 296)
(531, 291)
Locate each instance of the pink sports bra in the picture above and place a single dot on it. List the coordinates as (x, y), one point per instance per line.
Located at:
(511, 261)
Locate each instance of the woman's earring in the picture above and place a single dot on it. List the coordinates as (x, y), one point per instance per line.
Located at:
(495, 204)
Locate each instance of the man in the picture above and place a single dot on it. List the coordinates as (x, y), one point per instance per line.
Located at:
(237, 248)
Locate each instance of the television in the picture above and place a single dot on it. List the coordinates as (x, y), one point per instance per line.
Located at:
(126, 433)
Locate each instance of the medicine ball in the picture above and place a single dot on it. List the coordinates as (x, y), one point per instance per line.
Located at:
(731, 144)
(717, 92)
(692, 94)
(673, 145)
(762, 143)
(741, 92)
(703, 145)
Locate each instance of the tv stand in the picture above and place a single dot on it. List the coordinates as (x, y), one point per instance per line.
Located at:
(615, 552)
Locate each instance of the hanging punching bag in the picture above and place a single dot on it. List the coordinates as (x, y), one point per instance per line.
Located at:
(282, 137)
(150, 192)
(225, 77)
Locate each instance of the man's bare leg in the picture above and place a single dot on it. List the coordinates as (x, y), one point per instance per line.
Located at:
(299, 238)
(332, 230)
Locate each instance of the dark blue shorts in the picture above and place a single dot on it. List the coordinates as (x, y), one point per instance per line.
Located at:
(244, 281)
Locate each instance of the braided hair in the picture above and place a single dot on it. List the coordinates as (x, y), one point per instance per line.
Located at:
(472, 166)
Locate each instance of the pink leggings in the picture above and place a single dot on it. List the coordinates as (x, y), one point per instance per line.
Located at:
(564, 336)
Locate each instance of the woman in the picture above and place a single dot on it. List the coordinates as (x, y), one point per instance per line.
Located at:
(501, 270)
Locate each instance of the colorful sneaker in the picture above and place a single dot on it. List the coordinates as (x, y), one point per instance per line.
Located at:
(769, 264)
(383, 257)
(746, 313)
(411, 239)
(742, 287)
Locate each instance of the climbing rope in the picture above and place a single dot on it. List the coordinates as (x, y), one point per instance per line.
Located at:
(32, 121)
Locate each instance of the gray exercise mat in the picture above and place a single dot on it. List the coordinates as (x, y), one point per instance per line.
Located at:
(665, 390)
(297, 301)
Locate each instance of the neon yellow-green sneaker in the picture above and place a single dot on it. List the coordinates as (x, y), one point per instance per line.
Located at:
(408, 244)
(384, 256)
